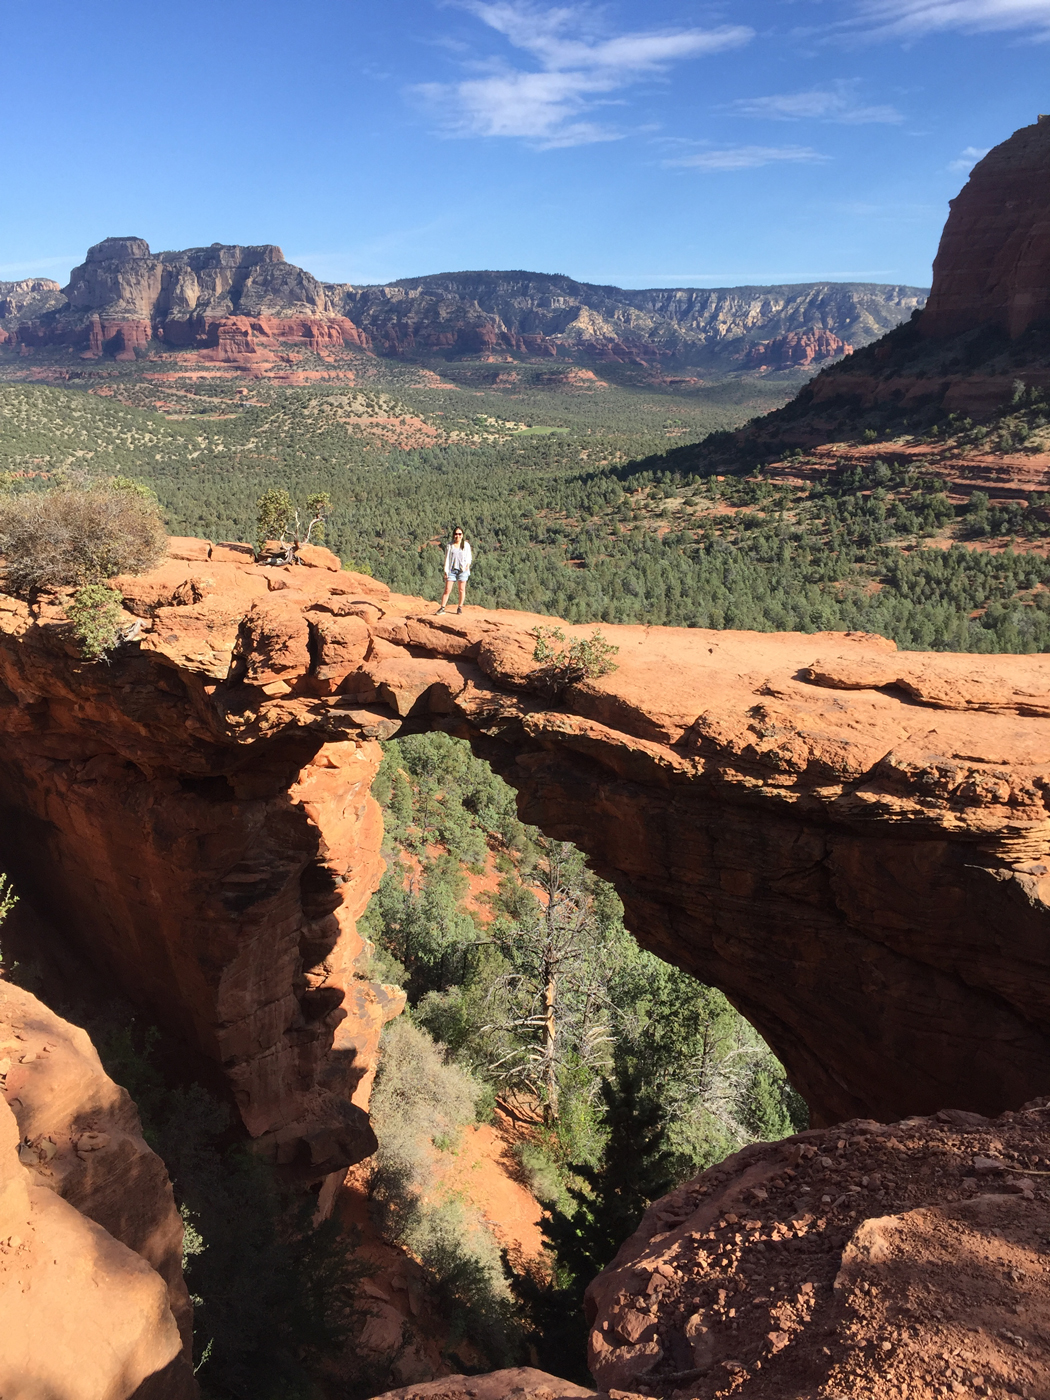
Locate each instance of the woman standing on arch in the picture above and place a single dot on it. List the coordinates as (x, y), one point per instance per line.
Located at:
(458, 559)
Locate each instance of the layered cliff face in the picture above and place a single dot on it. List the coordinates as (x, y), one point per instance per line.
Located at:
(535, 314)
(850, 842)
(234, 303)
(91, 1289)
(20, 301)
(796, 348)
(876, 1260)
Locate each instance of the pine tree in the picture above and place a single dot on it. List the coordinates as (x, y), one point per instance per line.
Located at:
(634, 1171)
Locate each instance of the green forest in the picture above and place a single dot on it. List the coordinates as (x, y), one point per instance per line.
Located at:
(614, 517)
(546, 1006)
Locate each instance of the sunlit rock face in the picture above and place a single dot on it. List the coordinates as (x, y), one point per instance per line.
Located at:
(91, 1289)
(244, 306)
(873, 1259)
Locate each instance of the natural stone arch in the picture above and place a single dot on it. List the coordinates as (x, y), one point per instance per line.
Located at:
(845, 840)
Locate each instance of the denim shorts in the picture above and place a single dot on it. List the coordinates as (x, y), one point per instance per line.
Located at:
(458, 575)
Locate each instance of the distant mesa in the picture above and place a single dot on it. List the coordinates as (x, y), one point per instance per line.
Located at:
(248, 307)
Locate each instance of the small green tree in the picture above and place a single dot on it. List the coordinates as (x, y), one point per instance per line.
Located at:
(8, 900)
(585, 658)
(634, 1171)
(281, 521)
(553, 1004)
(97, 618)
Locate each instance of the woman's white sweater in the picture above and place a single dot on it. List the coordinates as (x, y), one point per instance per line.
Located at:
(458, 558)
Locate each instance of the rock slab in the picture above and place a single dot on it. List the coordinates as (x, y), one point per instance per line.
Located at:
(872, 1259)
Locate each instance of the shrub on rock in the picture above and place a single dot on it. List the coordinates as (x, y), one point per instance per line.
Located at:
(70, 536)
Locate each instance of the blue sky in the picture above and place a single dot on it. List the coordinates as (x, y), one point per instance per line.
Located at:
(644, 144)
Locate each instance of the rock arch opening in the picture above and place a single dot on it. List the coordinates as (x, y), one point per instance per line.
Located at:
(860, 874)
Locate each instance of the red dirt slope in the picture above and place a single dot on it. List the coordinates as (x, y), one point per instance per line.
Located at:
(884, 1261)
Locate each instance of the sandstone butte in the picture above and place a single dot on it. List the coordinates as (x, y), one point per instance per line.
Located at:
(993, 264)
(983, 327)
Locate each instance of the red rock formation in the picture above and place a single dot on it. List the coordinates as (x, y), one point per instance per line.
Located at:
(184, 297)
(221, 300)
(822, 827)
(32, 296)
(239, 890)
(991, 281)
(21, 301)
(91, 1289)
(797, 349)
(881, 1260)
(993, 263)
(521, 1382)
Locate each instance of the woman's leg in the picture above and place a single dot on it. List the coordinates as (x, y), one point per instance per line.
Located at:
(448, 590)
(462, 590)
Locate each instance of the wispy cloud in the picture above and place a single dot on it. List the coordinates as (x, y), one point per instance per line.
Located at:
(914, 18)
(969, 158)
(577, 69)
(836, 102)
(748, 157)
(40, 267)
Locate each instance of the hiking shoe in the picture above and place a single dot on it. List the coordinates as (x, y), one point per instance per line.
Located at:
(459, 610)
(441, 610)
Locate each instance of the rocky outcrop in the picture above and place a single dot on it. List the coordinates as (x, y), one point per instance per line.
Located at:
(232, 896)
(796, 349)
(852, 843)
(239, 305)
(21, 301)
(985, 326)
(874, 1259)
(520, 1382)
(91, 1289)
(993, 264)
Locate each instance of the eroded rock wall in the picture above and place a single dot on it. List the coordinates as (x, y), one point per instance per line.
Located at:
(222, 901)
(92, 1298)
(993, 264)
(852, 843)
(235, 304)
